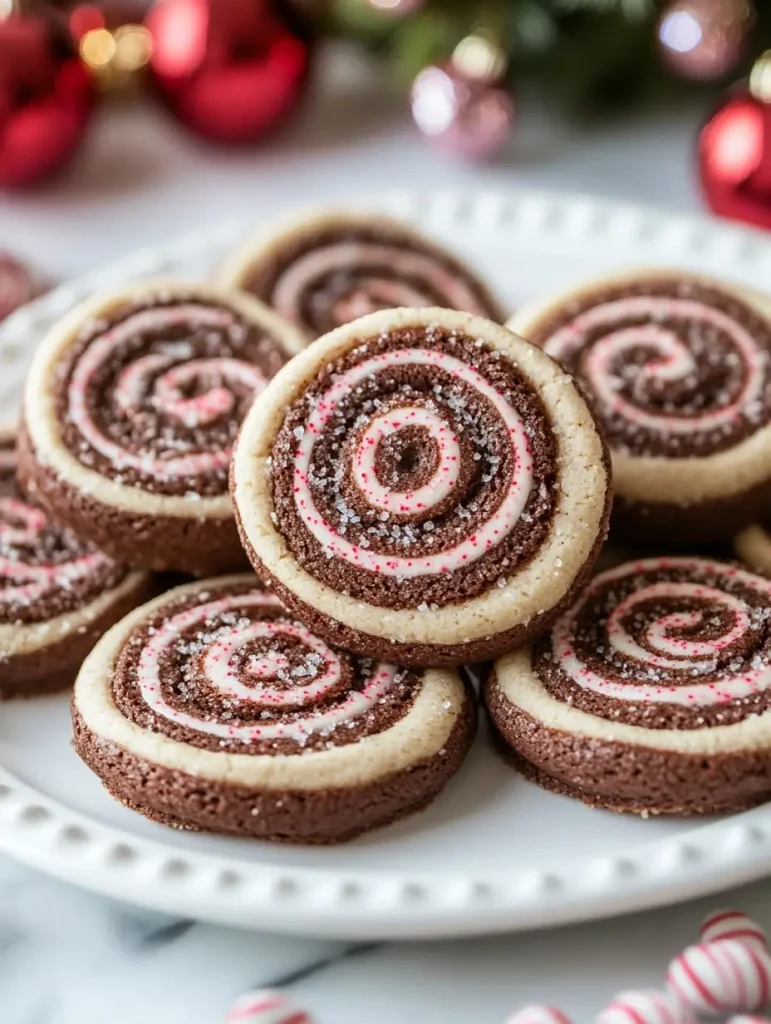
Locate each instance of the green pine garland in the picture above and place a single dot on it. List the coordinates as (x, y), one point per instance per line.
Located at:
(591, 53)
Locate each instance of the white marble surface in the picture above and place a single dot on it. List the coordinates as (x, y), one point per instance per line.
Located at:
(67, 957)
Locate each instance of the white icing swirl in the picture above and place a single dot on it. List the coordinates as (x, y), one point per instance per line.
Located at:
(442, 481)
(671, 641)
(487, 536)
(674, 360)
(160, 379)
(222, 669)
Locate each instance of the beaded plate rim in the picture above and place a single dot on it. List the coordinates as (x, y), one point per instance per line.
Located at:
(700, 859)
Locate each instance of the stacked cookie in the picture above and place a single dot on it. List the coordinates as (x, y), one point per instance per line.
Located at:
(216, 706)
(416, 488)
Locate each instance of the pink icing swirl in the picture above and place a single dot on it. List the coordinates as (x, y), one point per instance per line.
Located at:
(338, 282)
(671, 643)
(442, 483)
(268, 683)
(161, 380)
(608, 365)
(27, 576)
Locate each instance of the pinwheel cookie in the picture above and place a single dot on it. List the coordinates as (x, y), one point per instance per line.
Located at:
(326, 269)
(57, 594)
(422, 486)
(652, 694)
(130, 411)
(212, 708)
(678, 370)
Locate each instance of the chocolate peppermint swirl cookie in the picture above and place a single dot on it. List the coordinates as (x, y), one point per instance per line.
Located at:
(652, 694)
(131, 409)
(57, 594)
(422, 485)
(328, 269)
(212, 708)
(678, 370)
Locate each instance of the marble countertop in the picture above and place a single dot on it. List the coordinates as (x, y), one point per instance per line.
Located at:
(67, 957)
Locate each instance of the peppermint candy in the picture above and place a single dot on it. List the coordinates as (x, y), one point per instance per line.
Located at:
(728, 976)
(539, 1015)
(732, 924)
(645, 1008)
(266, 1007)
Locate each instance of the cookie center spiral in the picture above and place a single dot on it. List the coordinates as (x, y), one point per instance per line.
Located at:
(156, 394)
(417, 460)
(665, 639)
(678, 370)
(233, 670)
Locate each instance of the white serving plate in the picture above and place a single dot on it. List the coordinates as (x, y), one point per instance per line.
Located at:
(493, 853)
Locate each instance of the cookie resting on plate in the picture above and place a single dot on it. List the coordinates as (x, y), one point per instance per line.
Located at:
(677, 368)
(652, 694)
(422, 486)
(327, 268)
(130, 411)
(57, 594)
(212, 708)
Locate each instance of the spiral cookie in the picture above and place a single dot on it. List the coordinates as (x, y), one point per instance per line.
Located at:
(422, 485)
(130, 412)
(57, 595)
(212, 708)
(677, 369)
(327, 269)
(652, 694)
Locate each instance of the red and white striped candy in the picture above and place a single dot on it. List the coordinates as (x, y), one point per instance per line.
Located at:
(645, 1008)
(266, 1007)
(538, 1015)
(732, 924)
(721, 977)
(746, 1018)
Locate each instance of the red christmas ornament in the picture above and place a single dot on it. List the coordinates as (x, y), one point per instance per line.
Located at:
(463, 115)
(704, 39)
(46, 97)
(230, 70)
(735, 151)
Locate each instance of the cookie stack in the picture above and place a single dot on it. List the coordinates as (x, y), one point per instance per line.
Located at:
(416, 488)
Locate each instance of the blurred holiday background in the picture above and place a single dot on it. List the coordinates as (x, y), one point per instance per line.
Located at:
(124, 124)
(122, 116)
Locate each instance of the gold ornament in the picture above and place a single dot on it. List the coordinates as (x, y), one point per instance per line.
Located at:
(760, 78)
(479, 57)
(115, 57)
